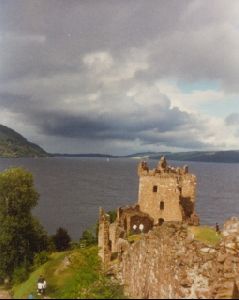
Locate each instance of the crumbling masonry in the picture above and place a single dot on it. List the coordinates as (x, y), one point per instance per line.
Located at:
(167, 261)
(166, 194)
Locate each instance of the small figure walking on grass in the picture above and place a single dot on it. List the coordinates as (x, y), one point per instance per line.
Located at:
(41, 285)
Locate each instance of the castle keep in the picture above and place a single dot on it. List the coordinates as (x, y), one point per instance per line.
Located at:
(166, 194)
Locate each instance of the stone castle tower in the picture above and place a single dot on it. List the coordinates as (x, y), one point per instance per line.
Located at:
(167, 193)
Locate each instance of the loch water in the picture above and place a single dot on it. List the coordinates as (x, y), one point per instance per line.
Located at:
(72, 189)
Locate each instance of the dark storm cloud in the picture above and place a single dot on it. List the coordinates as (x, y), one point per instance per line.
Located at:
(129, 126)
(146, 132)
(150, 124)
(88, 69)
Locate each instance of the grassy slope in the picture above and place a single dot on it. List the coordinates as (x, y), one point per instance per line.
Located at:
(83, 279)
(29, 287)
(206, 234)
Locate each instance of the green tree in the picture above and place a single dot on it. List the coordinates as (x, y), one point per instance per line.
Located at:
(62, 240)
(90, 236)
(21, 236)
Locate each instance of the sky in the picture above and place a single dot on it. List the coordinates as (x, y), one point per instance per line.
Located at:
(118, 77)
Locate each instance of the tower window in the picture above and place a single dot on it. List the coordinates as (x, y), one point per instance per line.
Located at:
(161, 205)
(155, 188)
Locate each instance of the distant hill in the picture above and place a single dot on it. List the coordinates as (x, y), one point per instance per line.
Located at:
(12, 144)
(200, 156)
(83, 155)
(147, 154)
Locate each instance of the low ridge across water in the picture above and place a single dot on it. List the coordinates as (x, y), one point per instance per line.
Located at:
(72, 189)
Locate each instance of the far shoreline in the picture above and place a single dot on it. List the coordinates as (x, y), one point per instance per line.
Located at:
(109, 157)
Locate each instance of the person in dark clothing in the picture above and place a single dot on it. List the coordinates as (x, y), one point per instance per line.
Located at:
(217, 228)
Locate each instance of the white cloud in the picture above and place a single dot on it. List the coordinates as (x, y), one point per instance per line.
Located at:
(112, 70)
(190, 101)
(98, 62)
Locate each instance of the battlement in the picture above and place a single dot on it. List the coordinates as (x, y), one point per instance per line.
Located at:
(162, 169)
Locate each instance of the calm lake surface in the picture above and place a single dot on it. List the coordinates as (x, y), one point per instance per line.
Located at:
(72, 189)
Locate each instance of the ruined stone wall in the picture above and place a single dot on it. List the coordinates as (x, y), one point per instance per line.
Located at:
(167, 192)
(104, 237)
(188, 183)
(113, 236)
(169, 264)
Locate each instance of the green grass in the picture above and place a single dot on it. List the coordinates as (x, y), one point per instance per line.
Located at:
(82, 279)
(134, 238)
(205, 234)
(22, 291)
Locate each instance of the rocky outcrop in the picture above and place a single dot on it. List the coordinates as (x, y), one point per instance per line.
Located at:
(168, 263)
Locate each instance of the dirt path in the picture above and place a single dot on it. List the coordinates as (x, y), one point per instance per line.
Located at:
(5, 295)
